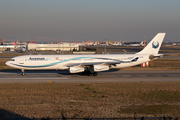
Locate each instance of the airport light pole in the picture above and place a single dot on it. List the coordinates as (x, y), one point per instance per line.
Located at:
(105, 47)
(81, 45)
(97, 46)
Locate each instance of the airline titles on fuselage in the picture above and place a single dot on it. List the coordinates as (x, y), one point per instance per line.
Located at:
(37, 59)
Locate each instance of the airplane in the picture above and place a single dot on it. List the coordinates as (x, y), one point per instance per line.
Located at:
(30, 42)
(137, 44)
(21, 49)
(89, 64)
(9, 46)
(12, 46)
(116, 44)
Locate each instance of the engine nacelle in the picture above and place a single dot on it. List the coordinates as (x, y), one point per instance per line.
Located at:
(101, 67)
(76, 69)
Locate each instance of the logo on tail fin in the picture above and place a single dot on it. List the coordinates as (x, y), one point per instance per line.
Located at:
(155, 44)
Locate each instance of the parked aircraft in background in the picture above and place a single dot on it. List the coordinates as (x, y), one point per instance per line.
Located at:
(116, 44)
(137, 44)
(89, 64)
(30, 42)
(15, 43)
(9, 46)
(21, 49)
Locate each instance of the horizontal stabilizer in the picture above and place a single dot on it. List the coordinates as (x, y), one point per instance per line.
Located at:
(155, 56)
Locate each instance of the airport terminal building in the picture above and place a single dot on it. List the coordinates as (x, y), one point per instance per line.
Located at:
(7, 48)
(53, 47)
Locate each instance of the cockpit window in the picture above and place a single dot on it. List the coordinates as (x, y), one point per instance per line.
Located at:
(12, 60)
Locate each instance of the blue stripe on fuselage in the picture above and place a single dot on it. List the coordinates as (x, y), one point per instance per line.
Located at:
(51, 64)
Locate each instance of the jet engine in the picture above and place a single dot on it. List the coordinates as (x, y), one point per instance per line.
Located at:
(76, 69)
(101, 67)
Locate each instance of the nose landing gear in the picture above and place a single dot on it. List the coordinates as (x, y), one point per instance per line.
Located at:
(23, 73)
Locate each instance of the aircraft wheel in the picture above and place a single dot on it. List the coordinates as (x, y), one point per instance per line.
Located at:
(23, 73)
(89, 74)
(94, 74)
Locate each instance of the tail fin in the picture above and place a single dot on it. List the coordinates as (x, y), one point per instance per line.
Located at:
(15, 43)
(142, 43)
(154, 45)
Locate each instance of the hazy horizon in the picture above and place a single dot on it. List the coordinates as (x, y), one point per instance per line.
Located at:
(95, 20)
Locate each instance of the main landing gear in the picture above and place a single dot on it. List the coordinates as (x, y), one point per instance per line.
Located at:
(23, 73)
(90, 71)
(91, 74)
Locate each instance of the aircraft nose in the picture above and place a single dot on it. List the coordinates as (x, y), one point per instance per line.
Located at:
(7, 63)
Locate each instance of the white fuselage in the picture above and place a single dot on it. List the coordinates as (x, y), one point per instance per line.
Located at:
(35, 62)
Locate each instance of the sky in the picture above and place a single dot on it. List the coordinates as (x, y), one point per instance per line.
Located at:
(89, 20)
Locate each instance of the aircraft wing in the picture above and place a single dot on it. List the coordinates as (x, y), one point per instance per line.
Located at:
(101, 63)
(93, 63)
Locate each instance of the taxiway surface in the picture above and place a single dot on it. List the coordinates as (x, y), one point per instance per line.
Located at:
(110, 76)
